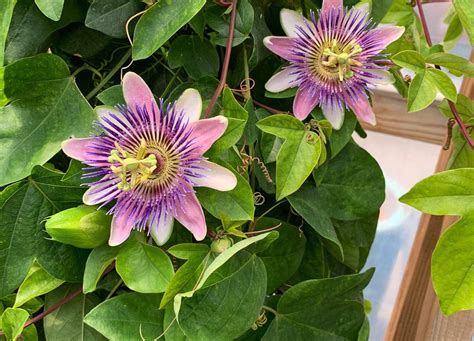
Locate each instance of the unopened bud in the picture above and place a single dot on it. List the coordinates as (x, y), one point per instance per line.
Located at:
(220, 245)
(82, 226)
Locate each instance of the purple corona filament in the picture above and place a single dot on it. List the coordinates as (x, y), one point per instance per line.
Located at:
(149, 158)
(333, 60)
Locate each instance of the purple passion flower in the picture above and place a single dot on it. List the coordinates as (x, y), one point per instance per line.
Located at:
(149, 158)
(332, 60)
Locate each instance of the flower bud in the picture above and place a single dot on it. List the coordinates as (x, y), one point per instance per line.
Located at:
(82, 226)
(220, 245)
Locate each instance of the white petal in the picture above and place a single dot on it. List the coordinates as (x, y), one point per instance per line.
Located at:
(363, 6)
(191, 103)
(103, 191)
(290, 20)
(214, 176)
(161, 228)
(282, 80)
(334, 114)
(382, 77)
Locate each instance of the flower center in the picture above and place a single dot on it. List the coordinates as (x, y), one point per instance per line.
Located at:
(334, 61)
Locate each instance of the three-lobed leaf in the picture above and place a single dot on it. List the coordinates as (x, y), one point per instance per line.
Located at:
(51, 8)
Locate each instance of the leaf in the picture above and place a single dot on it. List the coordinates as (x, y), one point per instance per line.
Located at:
(46, 107)
(197, 55)
(237, 117)
(38, 282)
(283, 257)
(144, 268)
(13, 320)
(136, 316)
(237, 204)
(465, 11)
(7, 7)
(75, 40)
(112, 96)
(68, 319)
(110, 16)
(305, 202)
(411, 60)
(51, 8)
(229, 303)
(220, 260)
(298, 155)
(444, 84)
(259, 32)
(321, 309)
(97, 262)
(379, 9)
(450, 193)
(452, 267)
(30, 29)
(422, 91)
(456, 65)
(22, 227)
(188, 250)
(453, 33)
(340, 138)
(160, 22)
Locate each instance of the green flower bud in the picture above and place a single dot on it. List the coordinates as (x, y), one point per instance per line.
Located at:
(82, 226)
(220, 245)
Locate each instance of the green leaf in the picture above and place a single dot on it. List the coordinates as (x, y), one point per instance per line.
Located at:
(259, 32)
(160, 22)
(112, 96)
(136, 316)
(237, 204)
(284, 126)
(237, 117)
(76, 41)
(324, 309)
(38, 282)
(188, 250)
(465, 11)
(452, 267)
(422, 91)
(197, 55)
(288, 93)
(30, 29)
(22, 227)
(13, 320)
(305, 202)
(229, 303)
(46, 107)
(110, 16)
(7, 7)
(144, 268)
(51, 8)
(68, 319)
(340, 138)
(455, 64)
(283, 257)
(379, 9)
(99, 259)
(220, 260)
(444, 84)
(411, 60)
(453, 33)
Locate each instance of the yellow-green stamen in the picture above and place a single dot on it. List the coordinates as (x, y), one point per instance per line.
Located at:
(342, 60)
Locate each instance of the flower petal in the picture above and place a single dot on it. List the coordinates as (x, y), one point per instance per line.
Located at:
(137, 93)
(282, 80)
(361, 107)
(334, 113)
(206, 132)
(214, 176)
(386, 35)
(190, 103)
(328, 4)
(191, 216)
(305, 101)
(122, 225)
(379, 77)
(281, 46)
(78, 148)
(161, 228)
(105, 190)
(290, 20)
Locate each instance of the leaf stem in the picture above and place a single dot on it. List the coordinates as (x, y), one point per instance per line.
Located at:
(452, 106)
(112, 72)
(270, 209)
(225, 66)
(273, 311)
(114, 289)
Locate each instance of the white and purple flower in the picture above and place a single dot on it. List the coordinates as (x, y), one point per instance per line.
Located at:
(332, 60)
(149, 158)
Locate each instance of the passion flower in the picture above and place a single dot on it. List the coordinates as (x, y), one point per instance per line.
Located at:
(149, 158)
(333, 59)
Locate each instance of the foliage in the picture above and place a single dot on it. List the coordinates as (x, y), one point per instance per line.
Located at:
(284, 250)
